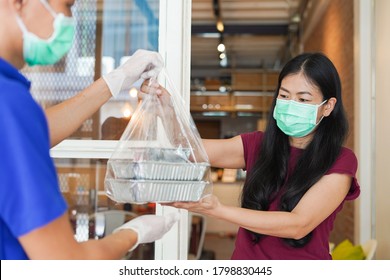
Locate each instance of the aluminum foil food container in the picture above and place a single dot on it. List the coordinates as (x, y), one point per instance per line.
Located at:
(142, 191)
(156, 154)
(156, 170)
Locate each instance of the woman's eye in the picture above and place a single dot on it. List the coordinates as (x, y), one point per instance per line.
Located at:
(283, 96)
(303, 100)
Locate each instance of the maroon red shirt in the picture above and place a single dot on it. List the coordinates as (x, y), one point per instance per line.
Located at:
(274, 248)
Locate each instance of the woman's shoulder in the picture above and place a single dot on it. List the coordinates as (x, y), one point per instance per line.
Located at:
(346, 162)
(251, 143)
(347, 152)
(348, 156)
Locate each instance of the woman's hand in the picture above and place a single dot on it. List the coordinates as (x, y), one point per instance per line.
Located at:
(151, 86)
(208, 205)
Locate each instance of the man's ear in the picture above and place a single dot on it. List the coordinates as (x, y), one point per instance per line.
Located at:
(17, 4)
(329, 106)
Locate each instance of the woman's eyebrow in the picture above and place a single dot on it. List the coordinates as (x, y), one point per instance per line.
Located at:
(284, 89)
(305, 92)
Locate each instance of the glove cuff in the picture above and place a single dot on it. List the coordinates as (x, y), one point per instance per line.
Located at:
(115, 80)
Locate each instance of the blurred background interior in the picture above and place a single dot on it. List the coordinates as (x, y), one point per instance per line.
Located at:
(237, 49)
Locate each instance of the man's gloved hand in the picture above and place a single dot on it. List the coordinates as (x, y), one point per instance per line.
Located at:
(142, 64)
(150, 227)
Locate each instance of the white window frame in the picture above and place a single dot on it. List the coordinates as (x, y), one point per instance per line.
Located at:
(175, 48)
(364, 31)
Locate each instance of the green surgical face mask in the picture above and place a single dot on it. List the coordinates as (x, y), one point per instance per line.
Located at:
(296, 119)
(37, 51)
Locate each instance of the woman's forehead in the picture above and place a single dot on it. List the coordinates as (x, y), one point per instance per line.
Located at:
(299, 83)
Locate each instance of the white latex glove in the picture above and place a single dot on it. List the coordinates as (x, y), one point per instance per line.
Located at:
(150, 228)
(142, 64)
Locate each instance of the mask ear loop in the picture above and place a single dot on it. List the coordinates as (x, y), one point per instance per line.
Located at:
(323, 102)
(49, 8)
(319, 105)
(21, 24)
(320, 120)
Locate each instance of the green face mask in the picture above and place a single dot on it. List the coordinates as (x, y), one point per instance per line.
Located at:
(296, 119)
(37, 51)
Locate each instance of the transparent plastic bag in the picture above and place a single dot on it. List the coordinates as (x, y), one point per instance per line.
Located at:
(160, 156)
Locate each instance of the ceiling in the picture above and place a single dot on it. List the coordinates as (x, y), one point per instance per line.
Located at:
(257, 34)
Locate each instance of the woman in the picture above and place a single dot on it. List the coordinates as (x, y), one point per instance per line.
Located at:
(298, 173)
(34, 223)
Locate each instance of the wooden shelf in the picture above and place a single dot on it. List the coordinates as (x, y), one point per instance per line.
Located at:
(229, 110)
(231, 102)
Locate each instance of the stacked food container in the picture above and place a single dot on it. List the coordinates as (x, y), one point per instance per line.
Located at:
(156, 175)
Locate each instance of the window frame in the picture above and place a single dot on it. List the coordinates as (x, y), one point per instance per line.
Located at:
(175, 48)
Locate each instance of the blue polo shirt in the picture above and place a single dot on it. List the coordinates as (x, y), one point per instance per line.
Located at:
(30, 197)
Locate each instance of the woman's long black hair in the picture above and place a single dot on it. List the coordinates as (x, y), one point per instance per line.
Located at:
(270, 170)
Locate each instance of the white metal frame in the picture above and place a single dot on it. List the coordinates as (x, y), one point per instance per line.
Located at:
(174, 46)
(98, 149)
(364, 34)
